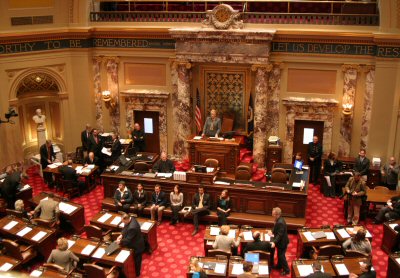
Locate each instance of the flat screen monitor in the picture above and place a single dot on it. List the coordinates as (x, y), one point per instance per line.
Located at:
(298, 164)
(252, 257)
(200, 168)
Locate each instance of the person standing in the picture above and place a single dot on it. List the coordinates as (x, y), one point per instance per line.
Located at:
(47, 156)
(355, 189)
(11, 184)
(116, 147)
(200, 206)
(212, 125)
(280, 240)
(314, 159)
(95, 145)
(138, 138)
(331, 168)
(390, 173)
(362, 164)
(131, 237)
(85, 135)
(176, 200)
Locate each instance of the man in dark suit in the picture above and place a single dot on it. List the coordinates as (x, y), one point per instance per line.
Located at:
(138, 138)
(95, 145)
(314, 155)
(116, 148)
(47, 156)
(200, 207)
(163, 165)
(85, 138)
(362, 164)
(10, 186)
(366, 271)
(158, 204)
(69, 174)
(257, 244)
(317, 268)
(139, 200)
(281, 240)
(131, 237)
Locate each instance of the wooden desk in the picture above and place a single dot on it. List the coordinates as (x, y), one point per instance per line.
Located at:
(43, 245)
(114, 221)
(76, 217)
(88, 176)
(389, 236)
(351, 231)
(327, 265)
(201, 178)
(210, 239)
(77, 245)
(352, 265)
(210, 262)
(304, 245)
(49, 273)
(25, 195)
(226, 152)
(233, 264)
(380, 197)
(127, 265)
(393, 270)
(8, 263)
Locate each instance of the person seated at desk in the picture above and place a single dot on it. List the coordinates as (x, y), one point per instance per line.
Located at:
(212, 125)
(257, 244)
(224, 242)
(196, 269)
(247, 269)
(331, 168)
(123, 197)
(20, 207)
(12, 182)
(116, 147)
(163, 165)
(139, 200)
(158, 203)
(69, 174)
(366, 269)
(62, 256)
(48, 209)
(138, 138)
(317, 269)
(359, 242)
(389, 212)
(200, 207)
(223, 207)
(176, 200)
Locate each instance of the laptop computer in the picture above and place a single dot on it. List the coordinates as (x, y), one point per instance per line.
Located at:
(253, 258)
(200, 168)
(112, 248)
(123, 160)
(298, 165)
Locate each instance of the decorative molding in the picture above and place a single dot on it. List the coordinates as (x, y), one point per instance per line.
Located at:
(267, 67)
(223, 17)
(351, 67)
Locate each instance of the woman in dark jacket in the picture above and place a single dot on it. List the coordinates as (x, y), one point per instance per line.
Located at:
(331, 168)
(223, 208)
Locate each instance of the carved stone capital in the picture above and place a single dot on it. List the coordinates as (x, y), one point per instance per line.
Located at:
(351, 67)
(368, 68)
(266, 68)
(98, 59)
(111, 58)
(176, 63)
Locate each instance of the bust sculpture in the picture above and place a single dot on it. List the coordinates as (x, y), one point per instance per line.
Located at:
(39, 119)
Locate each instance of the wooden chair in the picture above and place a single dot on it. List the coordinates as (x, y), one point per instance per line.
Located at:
(22, 253)
(218, 252)
(95, 232)
(211, 162)
(78, 155)
(327, 250)
(141, 166)
(265, 256)
(278, 177)
(57, 268)
(50, 224)
(70, 188)
(14, 212)
(355, 254)
(243, 175)
(93, 270)
(227, 122)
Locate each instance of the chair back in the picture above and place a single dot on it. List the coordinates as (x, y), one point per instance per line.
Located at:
(70, 188)
(355, 254)
(78, 155)
(14, 212)
(227, 122)
(55, 267)
(211, 162)
(243, 175)
(278, 177)
(265, 256)
(12, 249)
(281, 170)
(93, 231)
(215, 252)
(93, 270)
(330, 250)
(141, 166)
(44, 222)
(247, 166)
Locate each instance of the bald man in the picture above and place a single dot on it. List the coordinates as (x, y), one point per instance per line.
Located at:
(257, 244)
(390, 173)
(164, 165)
(212, 125)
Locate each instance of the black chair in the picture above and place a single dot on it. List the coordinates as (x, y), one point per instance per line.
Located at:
(70, 188)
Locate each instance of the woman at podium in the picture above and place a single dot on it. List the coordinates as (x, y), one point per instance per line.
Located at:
(212, 125)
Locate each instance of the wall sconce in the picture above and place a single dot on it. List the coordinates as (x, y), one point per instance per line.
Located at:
(347, 105)
(109, 101)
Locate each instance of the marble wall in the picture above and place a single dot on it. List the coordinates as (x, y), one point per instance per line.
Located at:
(96, 66)
(368, 97)
(112, 86)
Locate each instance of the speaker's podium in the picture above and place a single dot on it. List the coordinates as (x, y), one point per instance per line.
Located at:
(226, 151)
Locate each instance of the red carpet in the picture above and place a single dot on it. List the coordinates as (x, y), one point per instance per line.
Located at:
(176, 245)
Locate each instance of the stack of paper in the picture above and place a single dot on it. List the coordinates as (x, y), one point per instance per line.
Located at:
(308, 236)
(220, 268)
(146, 226)
(237, 269)
(66, 208)
(214, 231)
(197, 138)
(263, 269)
(222, 182)
(343, 233)
(6, 267)
(305, 270)
(88, 249)
(10, 225)
(52, 166)
(232, 233)
(104, 218)
(116, 220)
(164, 175)
(36, 273)
(267, 237)
(342, 269)
(99, 253)
(70, 243)
(330, 235)
(122, 256)
(39, 236)
(24, 231)
(248, 235)
(209, 169)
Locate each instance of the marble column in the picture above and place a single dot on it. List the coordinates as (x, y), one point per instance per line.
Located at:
(368, 97)
(274, 88)
(180, 74)
(346, 121)
(96, 66)
(260, 112)
(112, 83)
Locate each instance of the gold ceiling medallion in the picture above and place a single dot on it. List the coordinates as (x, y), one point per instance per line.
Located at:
(223, 17)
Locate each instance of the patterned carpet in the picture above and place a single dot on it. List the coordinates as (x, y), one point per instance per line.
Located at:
(176, 245)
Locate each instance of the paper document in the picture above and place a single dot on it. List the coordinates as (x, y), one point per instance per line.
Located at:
(220, 268)
(39, 236)
(88, 249)
(296, 184)
(267, 237)
(197, 138)
(343, 233)
(263, 269)
(122, 256)
(209, 169)
(52, 166)
(104, 218)
(210, 242)
(214, 231)
(116, 220)
(24, 231)
(91, 166)
(6, 267)
(99, 253)
(10, 225)
(342, 269)
(146, 226)
(222, 182)
(398, 260)
(164, 175)
(305, 269)
(308, 236)
(248, 235)
(330, 235)
(106, 151)
(66, 208)
(368, 234)
(26, 186)
(70, 243)
(393, 225)
(237, 269)
(232, 233)
(78, 169)
(36, 273)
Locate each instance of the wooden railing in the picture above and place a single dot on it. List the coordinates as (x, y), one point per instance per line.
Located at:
(266, 11)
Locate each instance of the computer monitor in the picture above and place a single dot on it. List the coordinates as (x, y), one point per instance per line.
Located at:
(252, 257)
(123, 160)
(200, 168)
(298, 165)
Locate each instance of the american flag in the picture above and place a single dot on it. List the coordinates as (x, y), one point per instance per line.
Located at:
(197, 112)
